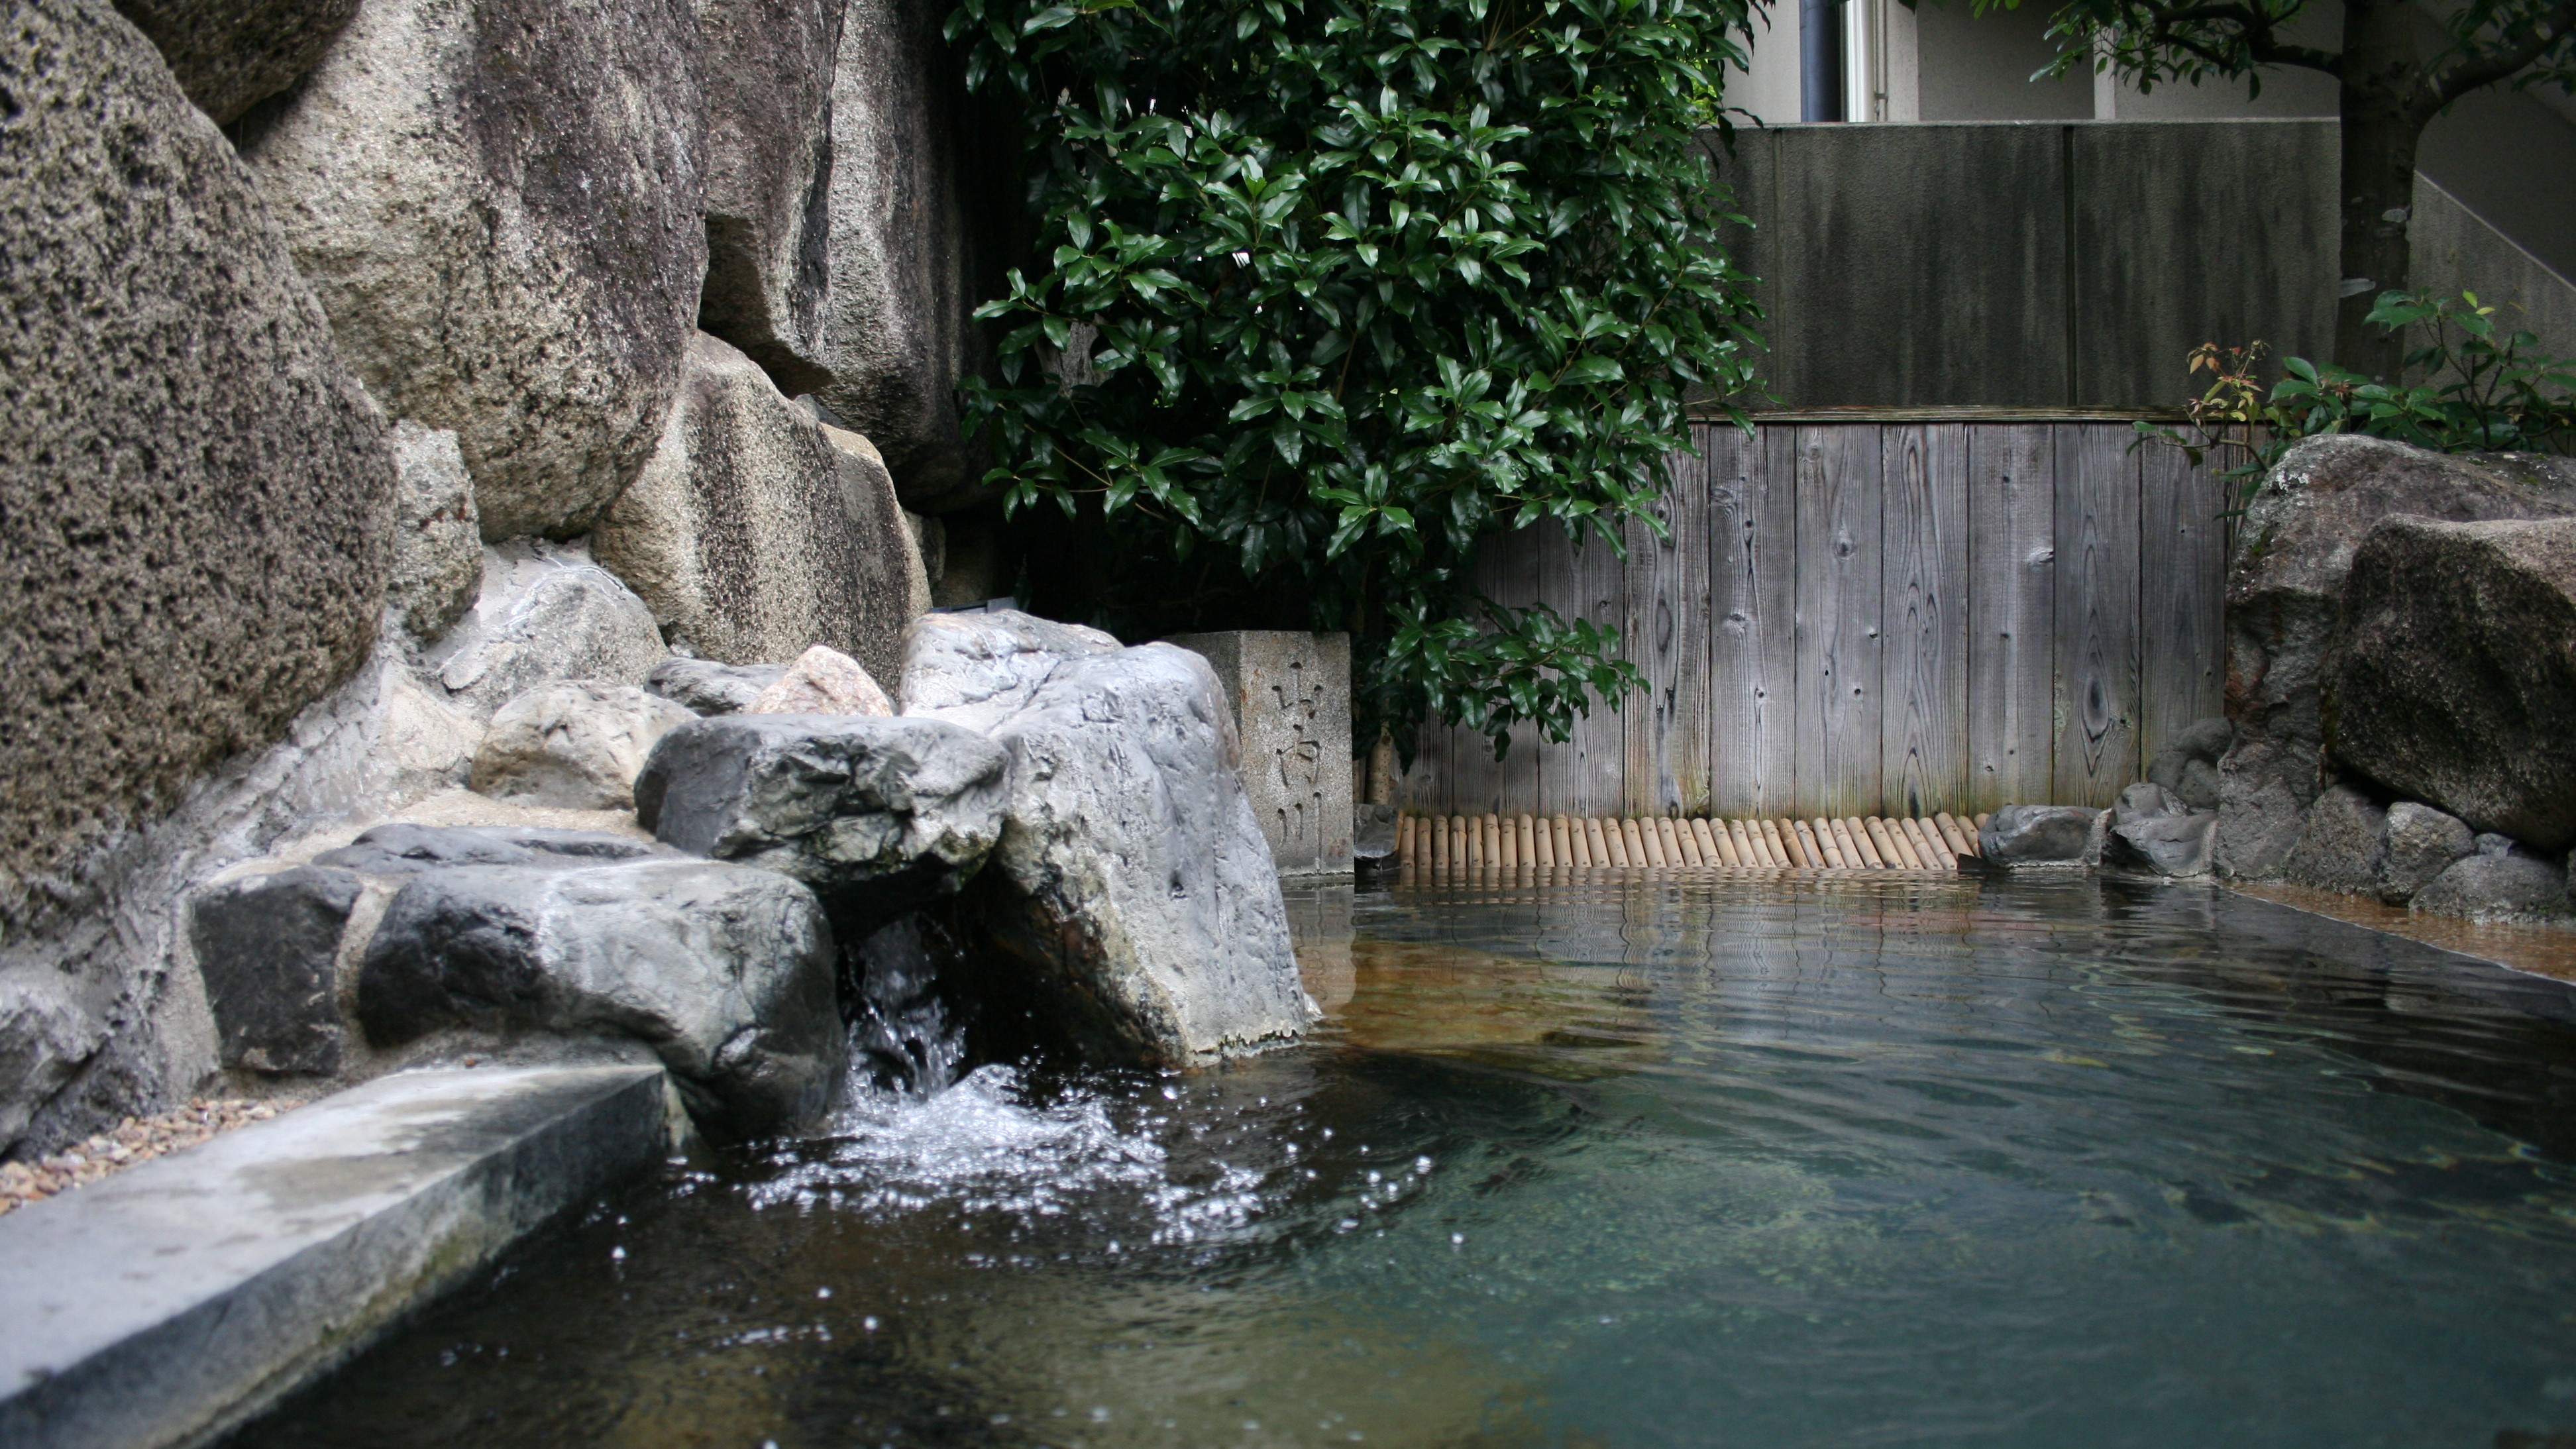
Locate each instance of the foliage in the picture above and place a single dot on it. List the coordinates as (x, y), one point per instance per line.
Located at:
(2475, 388)
(1326, 290)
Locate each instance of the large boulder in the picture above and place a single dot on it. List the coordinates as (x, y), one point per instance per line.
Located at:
(2512, 887)
(404, 849)
(267, 948)
(878, 815)
(2285, 587)
(500, 205)
(545, 614)
(2454, 672)
(195, 506)
(728, 973)
(2343, 845)
(767, 70)
(898, 330)
(980, 668)
(2155, 829)
(576, 744)
(231, 54)
(750, 536)
(1132, 898)
(438, 542)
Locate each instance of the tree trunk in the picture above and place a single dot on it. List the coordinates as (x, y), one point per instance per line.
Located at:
(2384, 113)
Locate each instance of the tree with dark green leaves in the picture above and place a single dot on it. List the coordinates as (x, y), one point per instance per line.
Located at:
(1323, 292)
(2392, 81)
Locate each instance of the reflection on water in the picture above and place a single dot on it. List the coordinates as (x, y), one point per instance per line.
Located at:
(1640, 1163)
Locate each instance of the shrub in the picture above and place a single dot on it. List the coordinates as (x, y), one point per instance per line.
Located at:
(1324, 291)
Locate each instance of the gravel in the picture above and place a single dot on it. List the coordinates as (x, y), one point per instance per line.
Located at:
(136, 1139)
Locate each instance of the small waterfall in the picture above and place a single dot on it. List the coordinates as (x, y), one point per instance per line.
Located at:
(905, 1039)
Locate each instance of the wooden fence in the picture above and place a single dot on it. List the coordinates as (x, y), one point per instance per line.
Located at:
(1877, 615)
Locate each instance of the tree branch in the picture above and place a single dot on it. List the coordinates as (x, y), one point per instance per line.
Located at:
(2545, 31)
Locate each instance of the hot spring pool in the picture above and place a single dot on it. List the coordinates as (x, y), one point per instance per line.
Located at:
(1631, 1164)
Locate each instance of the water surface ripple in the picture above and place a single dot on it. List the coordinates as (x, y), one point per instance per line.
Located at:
(1646, 1163)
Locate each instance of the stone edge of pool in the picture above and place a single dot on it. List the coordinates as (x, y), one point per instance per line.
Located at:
(170, 1303)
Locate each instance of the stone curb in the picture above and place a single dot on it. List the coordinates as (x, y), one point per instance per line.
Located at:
(171, 1302)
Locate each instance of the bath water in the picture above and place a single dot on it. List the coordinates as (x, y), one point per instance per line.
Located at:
(1636, 1163)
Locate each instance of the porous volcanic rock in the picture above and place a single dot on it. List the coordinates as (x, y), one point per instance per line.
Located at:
(2189, 766)
(545, 614)
(727, 972)
(230, 54)
(750, 536)
(2454, 678)
(195, 515)
(709, 687)
(878, 815)
(2284, 592)
(2343, 846)
(1132, 895)
(267, 948)
(2039, 835)
(576, 744)
(823, 681)
(500, 205)
(438, 542)
(2155, 829)
(767, 68)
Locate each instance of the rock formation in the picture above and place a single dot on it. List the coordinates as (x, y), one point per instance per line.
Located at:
(500, 205)
(231, 54)
(195, 500)
(751, 536)
(577, 743)
(767, 70)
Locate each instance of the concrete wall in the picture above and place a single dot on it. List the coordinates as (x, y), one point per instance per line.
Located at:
(2066, 265)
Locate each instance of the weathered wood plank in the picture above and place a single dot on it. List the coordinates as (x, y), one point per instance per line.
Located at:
(1753, 522)
(1507, 571)
(2182, 583)
(1583, 580)
(1924, 469)
(2011, 601)
(2096, 623)
(1667, 639)
(1838, 637)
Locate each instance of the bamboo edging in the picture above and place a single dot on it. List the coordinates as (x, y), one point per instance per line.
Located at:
(1666, 844)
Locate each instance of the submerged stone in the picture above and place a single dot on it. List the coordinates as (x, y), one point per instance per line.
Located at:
(2027, 835)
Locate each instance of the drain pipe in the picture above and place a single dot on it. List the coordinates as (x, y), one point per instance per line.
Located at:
(1820, 60)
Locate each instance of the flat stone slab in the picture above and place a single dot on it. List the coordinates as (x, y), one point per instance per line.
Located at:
(175, 1299)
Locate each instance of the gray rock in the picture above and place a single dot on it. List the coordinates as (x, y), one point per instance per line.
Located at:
(977, 669)
(2343, 846)
(195, 495)
(2045, 835)
(878, 815)
(2189, 766)
(2422, 843)
(2490, 843)
(725, 971)
(1373, 832)
(2285, 587)
(500, 206)
(709, 687)
(767, 70)
(751, 537)
(545, 614)
(228, 55)
(404, 849)
(576, 744)
(1132, 889)
(898, 331)
(2264, 788)
(2454, 677)
(267, 948)
(438, 543)
(2498, 888)
(2181, 845)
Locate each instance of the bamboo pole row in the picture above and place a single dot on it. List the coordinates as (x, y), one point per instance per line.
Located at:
(1659, 842)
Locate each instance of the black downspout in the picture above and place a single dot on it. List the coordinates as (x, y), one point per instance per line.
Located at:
(1820, 60)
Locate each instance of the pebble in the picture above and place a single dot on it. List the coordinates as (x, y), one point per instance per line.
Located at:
(136, 1139)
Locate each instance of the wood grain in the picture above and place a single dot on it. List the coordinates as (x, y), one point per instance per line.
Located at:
(2011, 605)
(1753, 599)
(1925, 695)
(1667, 638)
(2096, 623)
(2182, 583)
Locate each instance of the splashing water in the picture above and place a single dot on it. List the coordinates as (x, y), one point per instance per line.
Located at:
(904, 1038)
(987, 1146)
